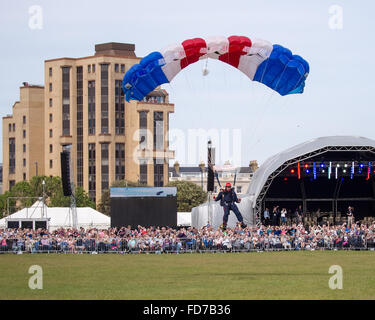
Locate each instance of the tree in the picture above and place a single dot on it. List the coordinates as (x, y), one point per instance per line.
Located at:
(3, 203)
(83, 199)
(54, 195)
(104, 205)
(189, 195)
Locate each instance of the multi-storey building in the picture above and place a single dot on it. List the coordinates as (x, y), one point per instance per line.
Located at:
(23, 137)
(110, 139)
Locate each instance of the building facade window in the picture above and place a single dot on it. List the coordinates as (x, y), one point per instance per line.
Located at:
(14, 127)
(24, 176)
(50, 72)
(66, 101)
(24, 119)
(10, 127)
(50, 117)
(105, 166)
(143, 129)
(24, 162)
(80, 126)
(12, 155)
(154, 99)
(93, 68)
(92, 172)
(50, 87)
(104, 98)
(143, 172)
(120, 161)
(50, 163)
(50, 102)
(89, 68)
(158, 131)
(50, 133)
(116, 67)
(24, 133)
(158, 172)
(50, 148)
(119, 108)
(122, 68)
(24, 148)
(91, 111)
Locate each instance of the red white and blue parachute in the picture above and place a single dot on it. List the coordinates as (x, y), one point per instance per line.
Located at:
(272, 65)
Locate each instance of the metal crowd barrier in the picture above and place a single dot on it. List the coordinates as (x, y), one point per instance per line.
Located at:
(183, 245)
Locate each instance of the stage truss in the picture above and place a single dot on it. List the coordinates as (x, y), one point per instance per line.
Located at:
(258, 201)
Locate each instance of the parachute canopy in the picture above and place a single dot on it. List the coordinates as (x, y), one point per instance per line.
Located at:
(272, 65)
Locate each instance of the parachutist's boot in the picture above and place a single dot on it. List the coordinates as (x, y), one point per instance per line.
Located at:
(223, 227)
(243, 225)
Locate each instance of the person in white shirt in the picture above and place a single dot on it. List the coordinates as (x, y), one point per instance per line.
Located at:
(283, 216)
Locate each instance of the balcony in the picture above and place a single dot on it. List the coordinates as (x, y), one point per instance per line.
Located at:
(65, 140)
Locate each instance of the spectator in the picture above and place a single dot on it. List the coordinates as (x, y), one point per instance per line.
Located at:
(266, 217)
(350, 215)
(283, 216)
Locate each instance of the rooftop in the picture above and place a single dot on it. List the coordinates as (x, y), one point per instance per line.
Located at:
(111, 49)
(116, 49)
(197, 170)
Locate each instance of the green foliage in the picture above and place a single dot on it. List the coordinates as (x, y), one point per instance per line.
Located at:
(104, 205)
(34, 188)
(83, 199)
(189, 195)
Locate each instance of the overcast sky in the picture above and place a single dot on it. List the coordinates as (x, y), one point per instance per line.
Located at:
(339, 94)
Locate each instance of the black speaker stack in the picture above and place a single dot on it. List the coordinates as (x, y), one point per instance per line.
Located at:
(65, 173)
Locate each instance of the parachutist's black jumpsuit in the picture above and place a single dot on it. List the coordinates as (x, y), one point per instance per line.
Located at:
(228, 201)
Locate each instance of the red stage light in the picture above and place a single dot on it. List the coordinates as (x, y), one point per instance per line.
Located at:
(306, 165)
(285, 179)
(292, 171)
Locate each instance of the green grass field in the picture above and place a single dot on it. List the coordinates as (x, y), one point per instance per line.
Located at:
(256, 275)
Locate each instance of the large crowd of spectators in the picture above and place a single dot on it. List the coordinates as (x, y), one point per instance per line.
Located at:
(170, 240)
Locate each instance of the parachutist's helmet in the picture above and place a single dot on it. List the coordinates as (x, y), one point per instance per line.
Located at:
(228, 184)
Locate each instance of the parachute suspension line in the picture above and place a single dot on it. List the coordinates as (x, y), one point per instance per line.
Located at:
(261, 80)
(261, 100)
(171, 88)
(262, 116)
(205, 70)
(189, 85)
(282, 73)
(206, 92)
(264, 70)
(268, 102)
(297, 84)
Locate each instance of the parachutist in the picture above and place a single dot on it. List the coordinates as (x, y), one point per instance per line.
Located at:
(228, 199)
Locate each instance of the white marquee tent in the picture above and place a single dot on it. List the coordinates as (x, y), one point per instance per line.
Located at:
(58, 217)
